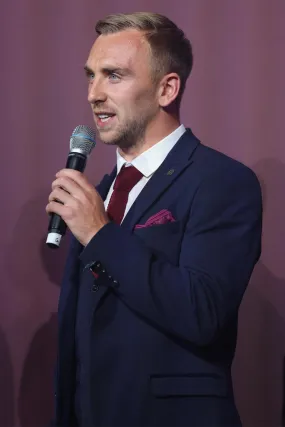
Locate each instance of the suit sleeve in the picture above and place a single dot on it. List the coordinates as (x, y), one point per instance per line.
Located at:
(71, 271)
(221, 244)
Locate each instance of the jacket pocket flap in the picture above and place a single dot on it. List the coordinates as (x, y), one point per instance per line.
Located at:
(189, 386)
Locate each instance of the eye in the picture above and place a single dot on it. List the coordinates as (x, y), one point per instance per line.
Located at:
(113, 77)
(90, 76)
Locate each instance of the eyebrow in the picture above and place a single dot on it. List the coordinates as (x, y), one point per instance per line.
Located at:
(87, 69)
(109, 69)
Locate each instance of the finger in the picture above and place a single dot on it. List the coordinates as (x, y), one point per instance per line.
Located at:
(68, 185)
(55, 207)
(76, 176)
(61, 196)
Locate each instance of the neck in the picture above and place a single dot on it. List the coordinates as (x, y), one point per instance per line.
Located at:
(154, 134)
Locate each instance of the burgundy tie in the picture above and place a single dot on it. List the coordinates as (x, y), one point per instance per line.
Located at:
(126, 179)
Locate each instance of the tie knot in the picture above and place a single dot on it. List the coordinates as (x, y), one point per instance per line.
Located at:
(127, 178)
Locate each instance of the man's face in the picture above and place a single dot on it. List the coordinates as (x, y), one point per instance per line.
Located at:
(121, 92)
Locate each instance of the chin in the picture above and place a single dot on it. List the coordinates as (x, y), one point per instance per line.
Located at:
(108, 142)
(115, 138)
(107, 139)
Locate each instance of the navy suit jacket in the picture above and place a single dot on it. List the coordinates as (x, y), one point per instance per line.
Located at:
(163, 321)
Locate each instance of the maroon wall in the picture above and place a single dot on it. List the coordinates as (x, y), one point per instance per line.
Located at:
(235, 102)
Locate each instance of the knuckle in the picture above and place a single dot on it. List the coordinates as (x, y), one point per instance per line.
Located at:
(61, 181)
(54, 194)
(55, 184)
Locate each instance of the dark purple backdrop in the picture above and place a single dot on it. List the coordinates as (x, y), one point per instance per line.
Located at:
(235, 102)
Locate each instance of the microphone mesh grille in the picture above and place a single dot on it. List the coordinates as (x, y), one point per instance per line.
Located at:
(82, 139)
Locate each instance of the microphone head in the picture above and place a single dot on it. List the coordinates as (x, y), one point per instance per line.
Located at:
(82, 140)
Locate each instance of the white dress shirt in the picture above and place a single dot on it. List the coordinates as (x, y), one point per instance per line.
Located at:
(147, 163)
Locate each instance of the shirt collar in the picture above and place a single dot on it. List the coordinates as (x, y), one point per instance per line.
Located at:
(150, 160)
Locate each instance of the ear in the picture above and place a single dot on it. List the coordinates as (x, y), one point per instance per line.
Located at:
(169, 89)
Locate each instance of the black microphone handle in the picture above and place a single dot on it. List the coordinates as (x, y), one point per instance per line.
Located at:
(57, 227)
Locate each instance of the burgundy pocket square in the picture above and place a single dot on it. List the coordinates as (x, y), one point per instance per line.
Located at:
(162, 217)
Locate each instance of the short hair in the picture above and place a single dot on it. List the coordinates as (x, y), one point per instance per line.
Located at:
(171, 51)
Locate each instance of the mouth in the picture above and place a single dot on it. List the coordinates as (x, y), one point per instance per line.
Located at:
(103, 119)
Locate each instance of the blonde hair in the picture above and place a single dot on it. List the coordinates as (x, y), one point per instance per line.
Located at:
(171, 51)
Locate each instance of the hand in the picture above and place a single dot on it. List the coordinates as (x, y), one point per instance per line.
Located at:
(78, 203)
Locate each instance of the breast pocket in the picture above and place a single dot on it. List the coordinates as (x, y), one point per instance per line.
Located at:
(164, 239)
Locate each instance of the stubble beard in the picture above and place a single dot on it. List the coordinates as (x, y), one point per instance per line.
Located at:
(131, 134)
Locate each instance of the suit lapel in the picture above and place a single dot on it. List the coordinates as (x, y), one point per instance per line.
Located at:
(106, 183)
(175, 163)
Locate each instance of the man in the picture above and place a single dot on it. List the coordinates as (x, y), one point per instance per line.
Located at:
(162, 251)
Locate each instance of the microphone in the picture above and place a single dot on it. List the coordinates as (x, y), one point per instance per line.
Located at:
(82, 142)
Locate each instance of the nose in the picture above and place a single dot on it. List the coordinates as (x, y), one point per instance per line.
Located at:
(96, 93)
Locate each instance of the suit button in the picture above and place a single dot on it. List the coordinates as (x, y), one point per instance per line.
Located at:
(95, 287)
